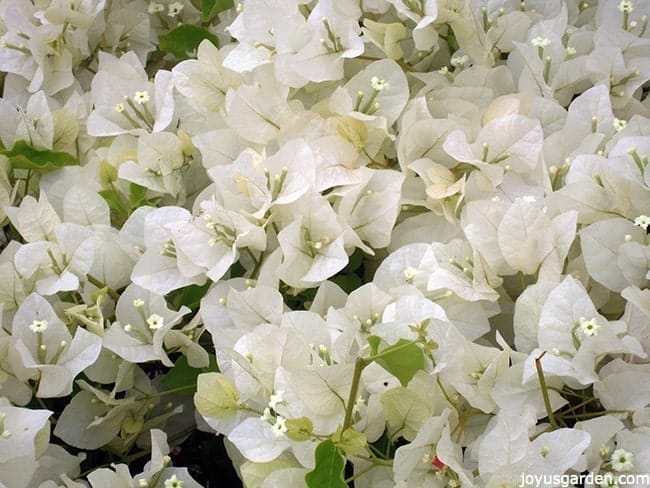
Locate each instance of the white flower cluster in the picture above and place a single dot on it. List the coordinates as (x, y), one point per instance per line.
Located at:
(407, 231)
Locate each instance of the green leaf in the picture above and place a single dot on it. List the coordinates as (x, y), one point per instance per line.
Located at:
(356, 260)
(137, 194)
(184, 39)
(119, 213)
(107, 173)
(402, 360)
(373, 342)
(210, 8)
(330, 465)
(24, 156)
(347, 281)
(190, 296)
(182, 374)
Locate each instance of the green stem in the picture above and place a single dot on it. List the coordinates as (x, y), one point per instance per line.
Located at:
(251, 410)
(100, 284)
(360, 473)
(376, 461)
(359, 365)
(169, 392)
(599, 414)
(542, 383)
(257, 262)
(576, 407)
(564, 391)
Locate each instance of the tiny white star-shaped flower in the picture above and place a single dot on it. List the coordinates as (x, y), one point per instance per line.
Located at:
(589, 327)
(276, 399)
(378, 84)
(626, 6)
(280, 426)
(410, 273)
(155, 7)
(642, 221)
(622, 460)
(155, 321)
(175, 9)
(619, 124)
(540, 41)
(141, 97)
(38, 326)
(459, 60)
(267, 415)
(173, 482)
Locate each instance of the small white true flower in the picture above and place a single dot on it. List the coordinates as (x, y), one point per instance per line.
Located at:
(119, 108)
(38, 326)
(627, 237)
(128, 328)
(141, 97)
(155, 7)
(619, 124)
(642, 221)
(280, 426)
(267, 415)
(378, 84)
(540, 41)
(626, 6)
(155, 321)
(589, 327)
(276, 399)
(571, 51)
(175, 8)
(622, 460)
(143, 483)
(138, 302)
(410, 273)
(173, 482)
(459, 60)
